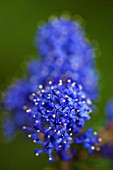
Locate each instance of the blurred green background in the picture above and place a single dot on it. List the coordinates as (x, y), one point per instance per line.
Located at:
(18, 24)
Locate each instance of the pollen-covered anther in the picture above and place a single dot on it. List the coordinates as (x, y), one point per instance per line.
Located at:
(34, 141)
(90, 111)
(38, 131)
(58, 132)
(68, 80)
(28, 110)
(54, 115)
(57, 92)
(52, 87)
(80, 86)
(50, 82)
(75, 93)
(29, 135)
(89, 101)
(93, 147)
(73, 84)
(83, 96)
(36, 154)
(50, 159)
(38, 99)
(100, 139)
(24, 127)
(95, 133)
(40, 86)
(60, 83)
(33, 94)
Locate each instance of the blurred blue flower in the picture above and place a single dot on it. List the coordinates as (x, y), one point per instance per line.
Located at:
(109, 111)
(107, 151)
(62, 38)
(8, 129)
(17, 95)
(89, 139)
(59, 111)
(66, 54)
(14, 102)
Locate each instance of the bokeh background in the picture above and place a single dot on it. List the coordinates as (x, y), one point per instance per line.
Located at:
(18, 24)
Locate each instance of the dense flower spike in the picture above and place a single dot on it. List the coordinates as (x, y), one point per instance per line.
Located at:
(49, 103)
(62, 37)
(66, 54)
(89, 139)
(59, 112)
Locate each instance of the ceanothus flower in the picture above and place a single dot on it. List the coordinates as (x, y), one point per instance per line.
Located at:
(89, 139)
(59, 112)
(62, 38)
(16, 96)
(14, 101)
(66, 54)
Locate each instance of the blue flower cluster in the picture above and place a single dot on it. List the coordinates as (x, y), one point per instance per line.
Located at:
(59, 112)
(63, 43)
(14, 100)
(89, 139)
(49, 102)
(17, 95)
